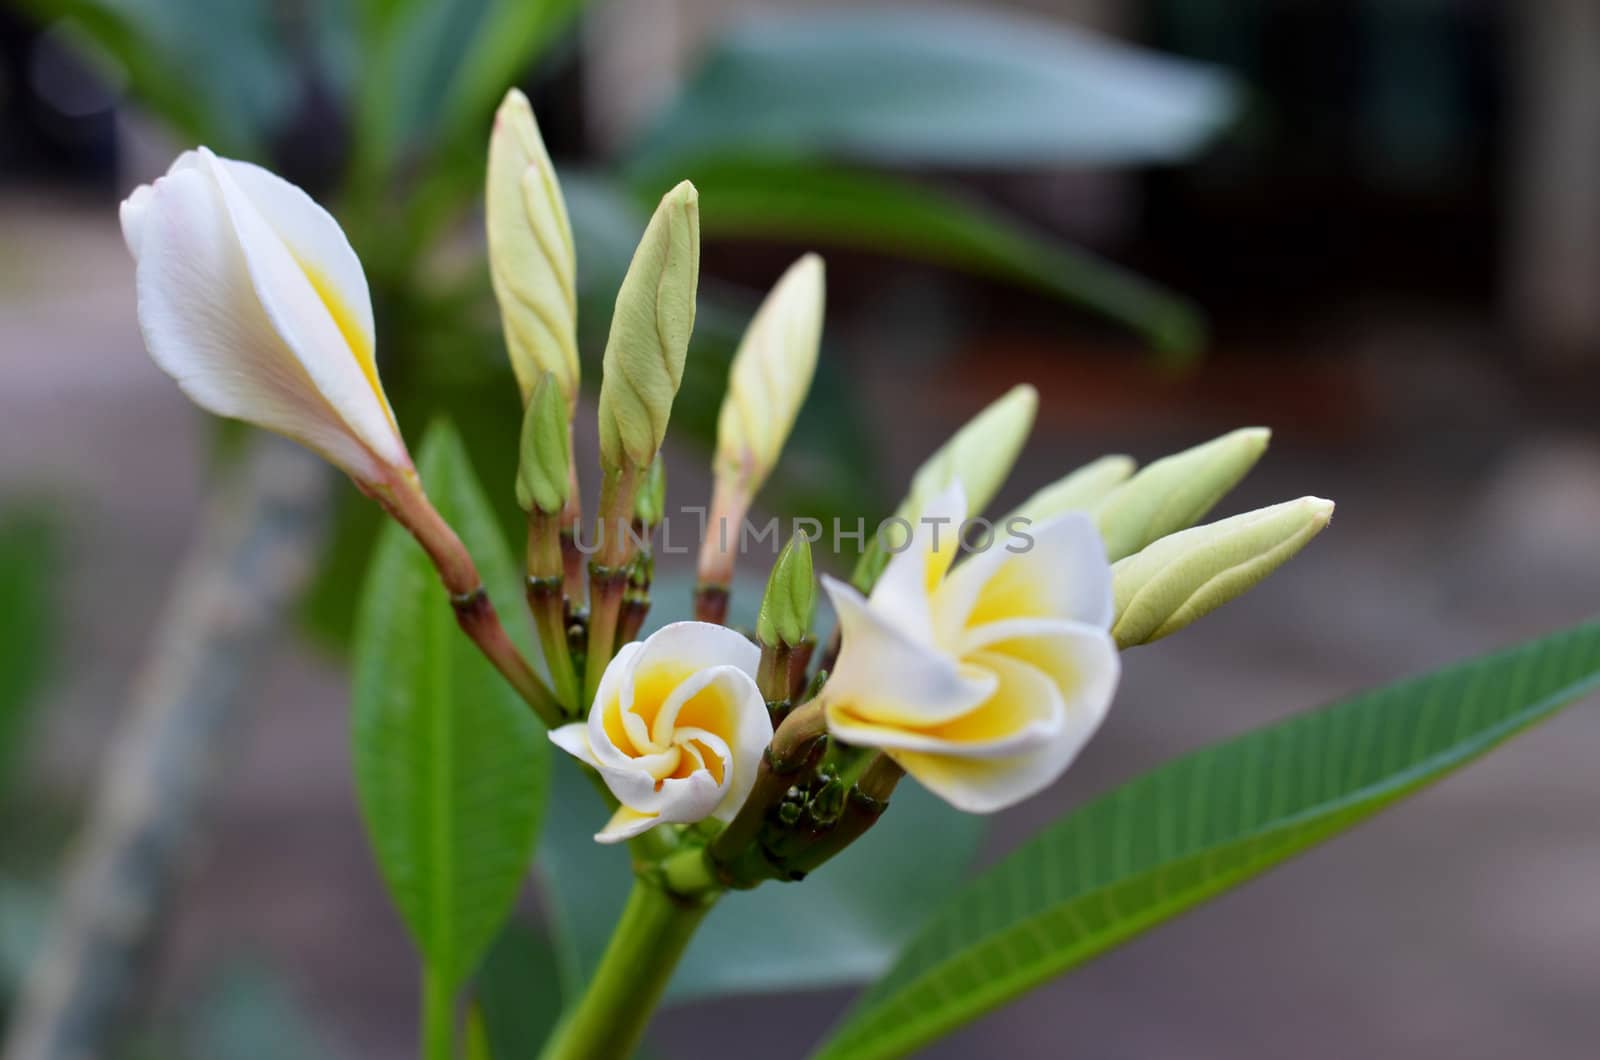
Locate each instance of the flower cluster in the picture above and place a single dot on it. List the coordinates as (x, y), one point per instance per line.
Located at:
(982, 679)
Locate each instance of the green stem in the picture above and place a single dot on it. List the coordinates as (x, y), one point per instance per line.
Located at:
(438, 1016)
(644, 950)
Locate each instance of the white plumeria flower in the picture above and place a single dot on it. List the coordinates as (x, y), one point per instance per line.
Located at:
(253, 300)
(677, 729)
(986, 683)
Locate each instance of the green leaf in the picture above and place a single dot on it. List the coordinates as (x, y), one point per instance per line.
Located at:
(430, 74)
(937, 86)
(841, 925)
(890, 215)
(451, 768)
(29, 616)
(1199, 825)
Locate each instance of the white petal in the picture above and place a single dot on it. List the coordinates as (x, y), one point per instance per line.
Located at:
(903, 591)
(574, 739)
(1062, 575)
(205, 326)
(315, 296)
(698, 645)
(625, 824)
(885, 676)
(685, 800)
(1024, 710)
(312, 236)
(987, 784)
(1081, 659)
(614, 696)
(131, 215)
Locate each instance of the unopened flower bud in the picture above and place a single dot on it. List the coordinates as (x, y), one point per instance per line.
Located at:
(1176, 491)
(531, 258)
(1185, 575)
(650, 331)
(978, 458)
(791, 600)
(251, 298)
(1077, 492)
(770, 376)
(542, 478)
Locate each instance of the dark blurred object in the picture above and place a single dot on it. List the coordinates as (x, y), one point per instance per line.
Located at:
(1399, 194)
(57, 112)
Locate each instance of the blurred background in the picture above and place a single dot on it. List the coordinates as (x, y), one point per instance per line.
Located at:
(1374, 227)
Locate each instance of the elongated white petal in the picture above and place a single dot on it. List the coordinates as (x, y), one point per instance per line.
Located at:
(1024, 709)
(625, 824)
(574, 739)
(903, 592)
(308, 298)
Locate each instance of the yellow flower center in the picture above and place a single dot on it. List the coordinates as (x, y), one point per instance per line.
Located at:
(677, 740)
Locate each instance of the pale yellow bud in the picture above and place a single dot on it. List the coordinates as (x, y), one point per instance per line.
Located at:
(770, 376)
(1176, 491)
(1079, 491)
(978, 458)
(1189, 574)
(531, 259)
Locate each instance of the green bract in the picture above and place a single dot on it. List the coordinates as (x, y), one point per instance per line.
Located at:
(1189, 574)
(791, 599)
(650, 503)
(543, 480)
(1176, 491)
(650, 333)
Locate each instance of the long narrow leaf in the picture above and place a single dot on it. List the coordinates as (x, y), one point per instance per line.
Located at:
(941, 86)
(451, 767)
(1202, 824)
(886, 214)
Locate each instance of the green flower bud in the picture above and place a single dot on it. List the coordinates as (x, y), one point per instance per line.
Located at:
(650, 503)
(650, 331)
(531, 259)
(1185, 575)
(979, 455)
(770, 376)
(1176, 491)
(1077, 492)
(542, 469)
(791, 599)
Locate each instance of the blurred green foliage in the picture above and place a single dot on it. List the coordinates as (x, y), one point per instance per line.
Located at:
(30, 602)
(30, 596)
